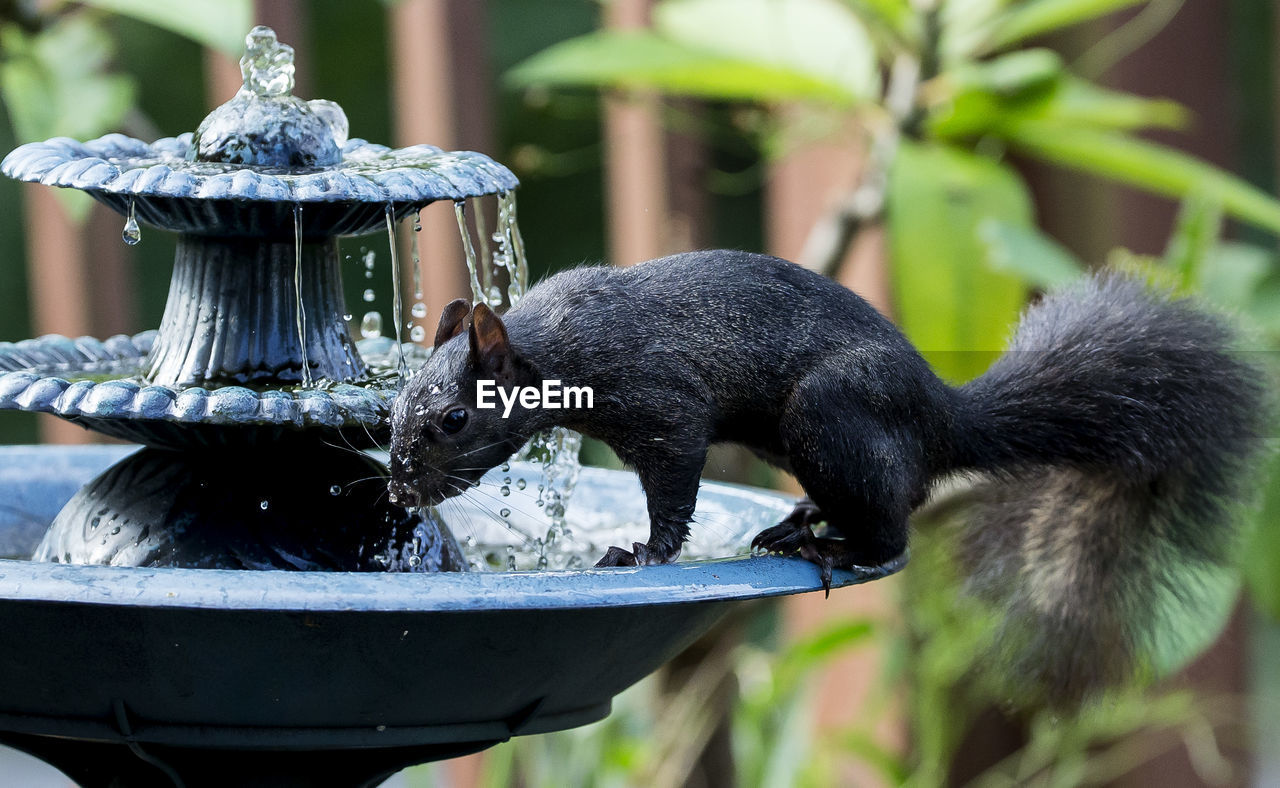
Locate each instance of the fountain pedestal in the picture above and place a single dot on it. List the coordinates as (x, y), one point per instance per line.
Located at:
(242, 310)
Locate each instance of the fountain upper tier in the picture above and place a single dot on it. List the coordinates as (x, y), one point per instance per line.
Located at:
(258, 194)
(254, 158)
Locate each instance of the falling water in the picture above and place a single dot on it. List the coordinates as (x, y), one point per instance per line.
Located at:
(397, 297)
(301, 311)
(132, 234)
(460, 210)
(511, 231)
(486, 256)
(555, 449)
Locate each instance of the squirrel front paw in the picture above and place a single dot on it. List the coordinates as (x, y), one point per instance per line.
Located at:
(640, 555)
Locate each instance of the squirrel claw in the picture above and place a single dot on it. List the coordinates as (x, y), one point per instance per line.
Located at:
(814, 553)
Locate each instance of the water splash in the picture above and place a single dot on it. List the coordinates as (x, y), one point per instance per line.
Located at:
(132, 233)
(555, 449)
(397, 297)
(301, 311)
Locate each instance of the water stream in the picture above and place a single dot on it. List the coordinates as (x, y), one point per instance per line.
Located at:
(397, 298)
(297, 292)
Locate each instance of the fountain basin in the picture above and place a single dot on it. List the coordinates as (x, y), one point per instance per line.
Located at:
(428, 666)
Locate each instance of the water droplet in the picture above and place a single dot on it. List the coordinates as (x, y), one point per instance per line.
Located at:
(95, 522)
(506, 466)
(415, 560)
(505, 512)
(115, 530)
(520, 484)
(132, 233)
(369, 295)
(418, 310)
(505, 491)
(348, 317)
(417, 333)
(507, 480)
(370, 259)
(264, 504)
(371, 325)
(335, 489)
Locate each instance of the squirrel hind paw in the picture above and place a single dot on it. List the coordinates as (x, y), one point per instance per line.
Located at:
(793, 532)
(786, 538)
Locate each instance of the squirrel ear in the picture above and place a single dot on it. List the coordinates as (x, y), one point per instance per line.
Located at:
(490, 348)
(452, 320)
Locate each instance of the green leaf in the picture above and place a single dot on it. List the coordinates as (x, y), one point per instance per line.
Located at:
(217, 24)
(893, 15)
(53, 83)
(820, 38)
(965, 25)
(1038, 17)
(1262, 552)
(951, 303)
(641, 59)
(1147, 165)
(985, 104)
(1029, 254)
(1194, 238)
(1012, 73)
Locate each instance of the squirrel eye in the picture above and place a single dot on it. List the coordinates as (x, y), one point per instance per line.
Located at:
(453, 421)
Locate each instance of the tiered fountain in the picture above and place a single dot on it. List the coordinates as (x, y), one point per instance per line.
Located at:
(136, 649)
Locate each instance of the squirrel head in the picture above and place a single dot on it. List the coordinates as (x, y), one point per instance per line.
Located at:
(441, 442)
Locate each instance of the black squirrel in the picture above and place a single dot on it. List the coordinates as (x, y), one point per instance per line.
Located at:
(1118, 425)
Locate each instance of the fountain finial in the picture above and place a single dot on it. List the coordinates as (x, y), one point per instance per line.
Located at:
(265, 125)
(267, 65)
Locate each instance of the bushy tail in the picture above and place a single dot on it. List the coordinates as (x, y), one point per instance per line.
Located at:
(1120, 431)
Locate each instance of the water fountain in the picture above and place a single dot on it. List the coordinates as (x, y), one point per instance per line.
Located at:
(138, 651)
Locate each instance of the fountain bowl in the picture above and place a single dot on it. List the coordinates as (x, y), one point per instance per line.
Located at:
(183, 661)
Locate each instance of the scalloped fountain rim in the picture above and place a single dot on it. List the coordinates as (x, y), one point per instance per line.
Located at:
(725, 579)
(34, 382)
(369, 173)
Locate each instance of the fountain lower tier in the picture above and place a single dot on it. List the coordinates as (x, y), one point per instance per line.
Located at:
(303, 506)
(340, 678)
(242, 311)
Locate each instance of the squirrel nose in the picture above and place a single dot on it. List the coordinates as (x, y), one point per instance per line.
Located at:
(402, 495)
